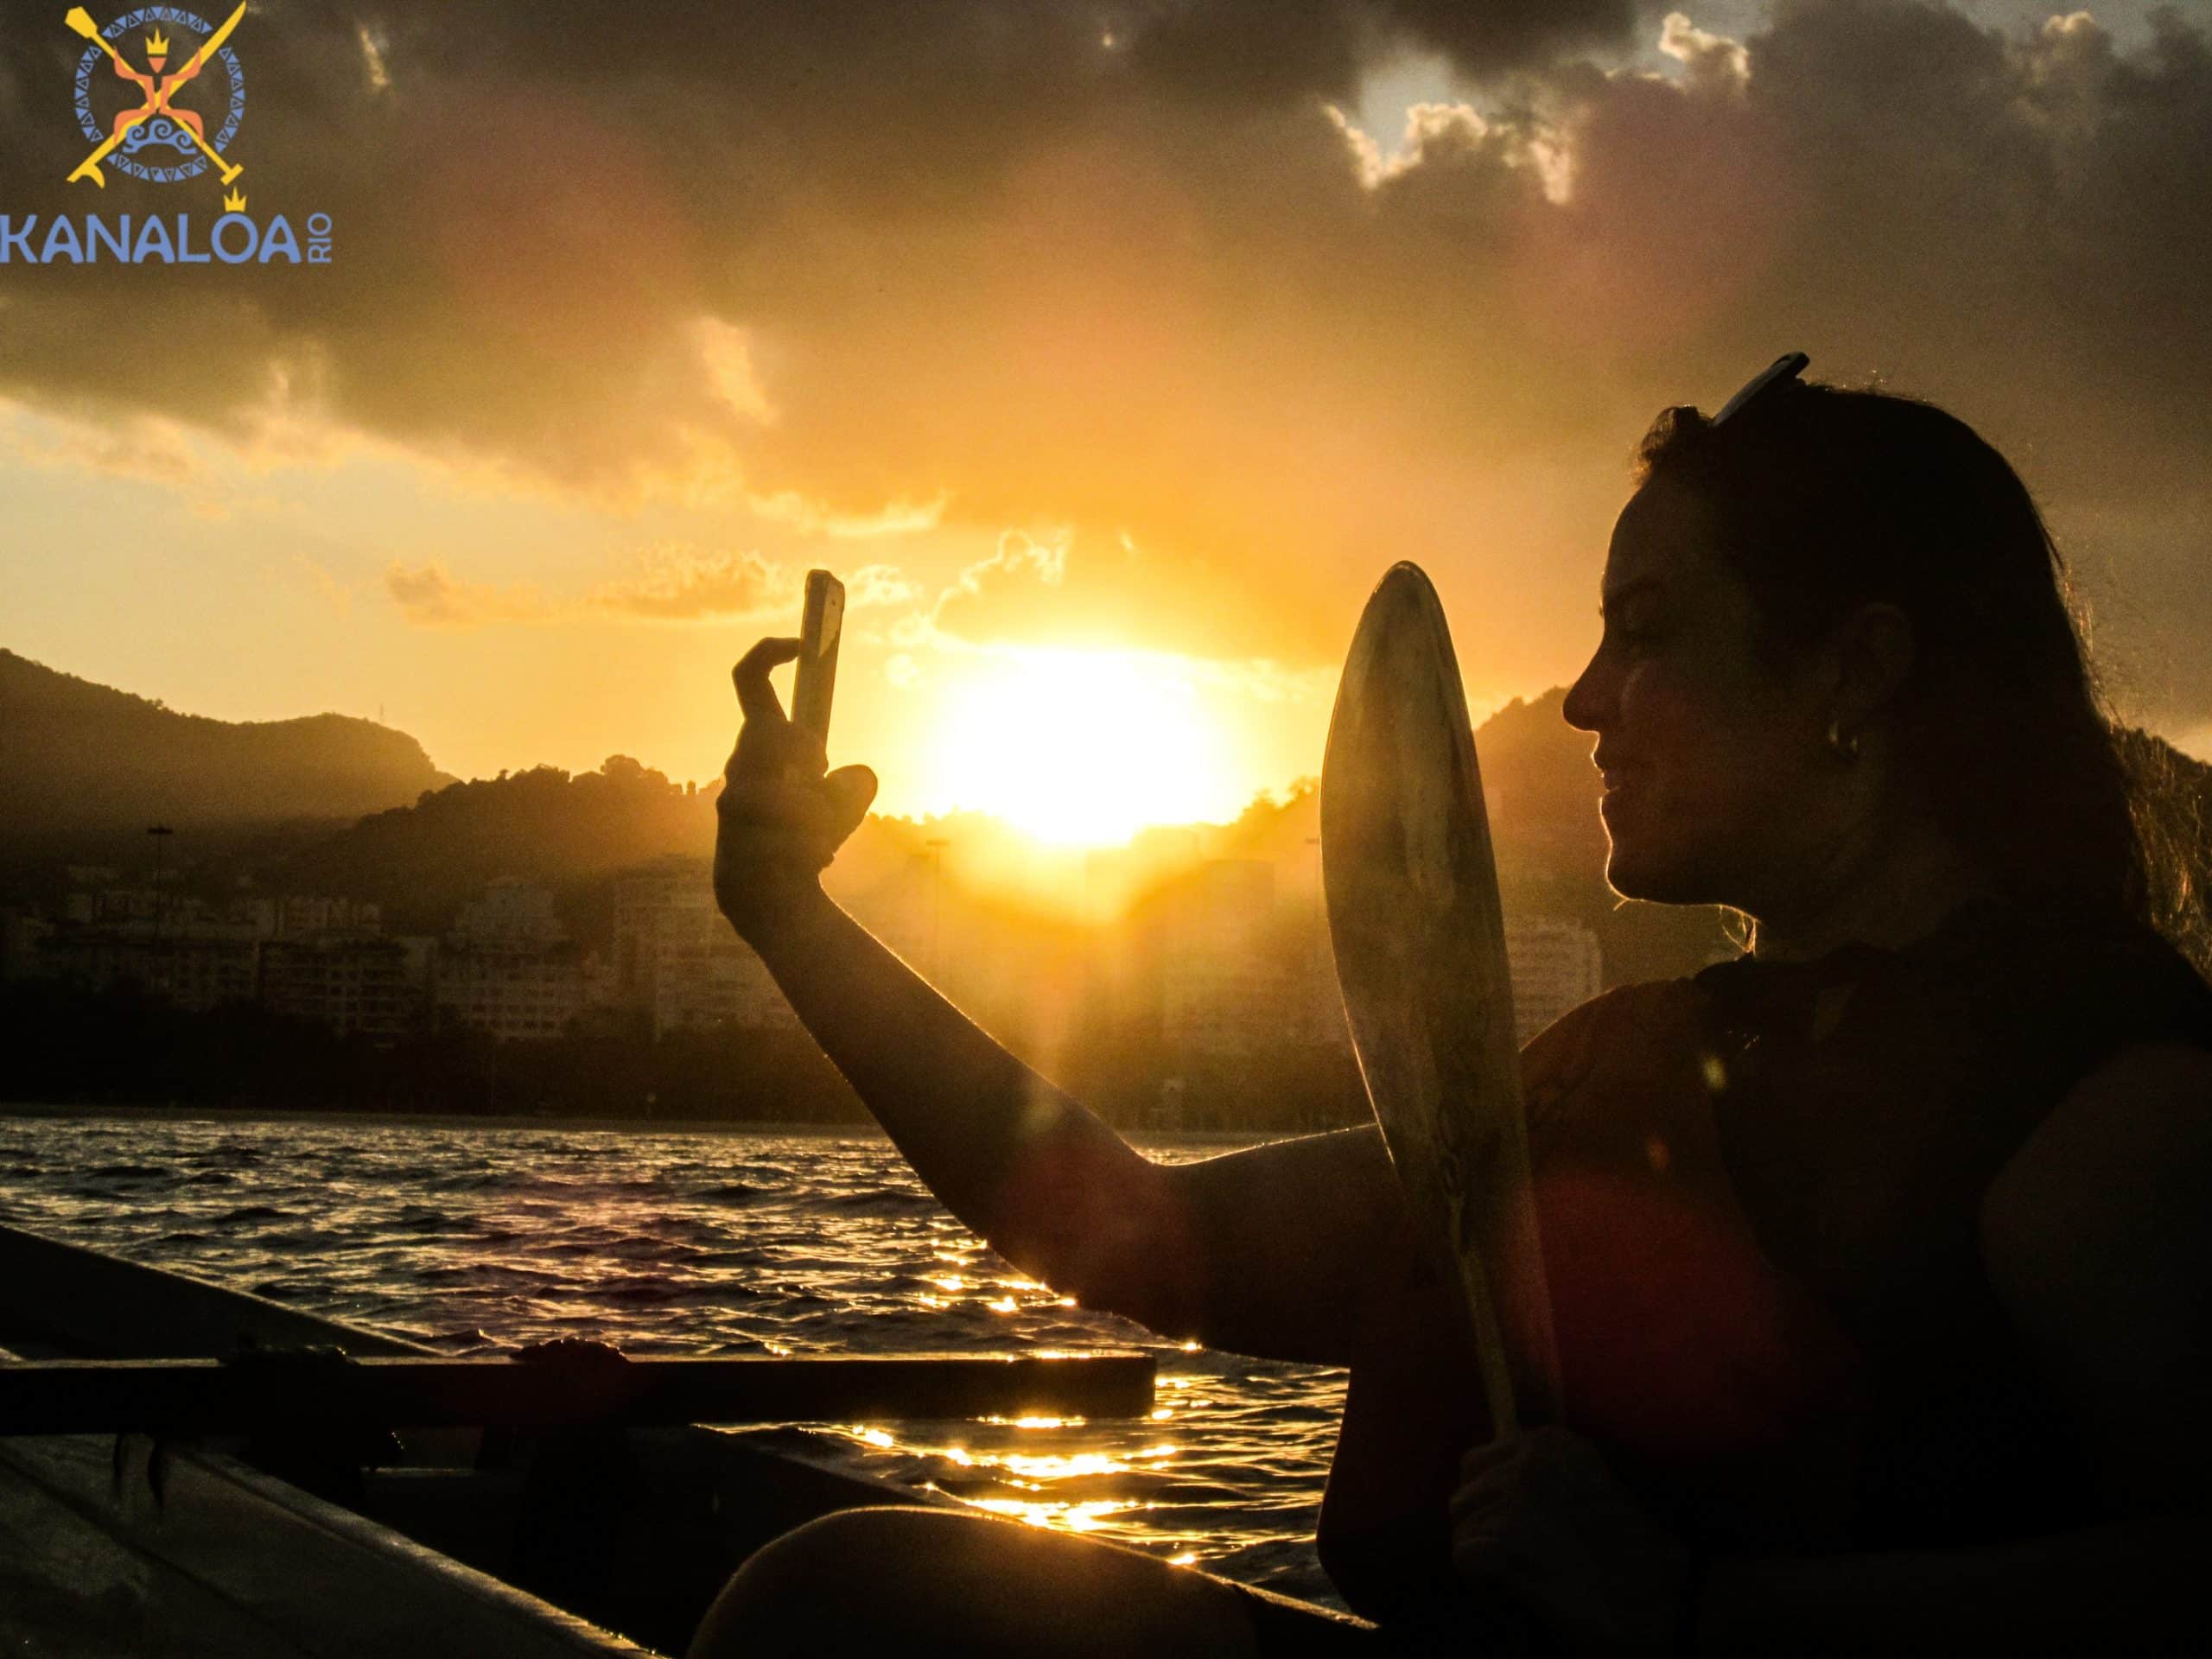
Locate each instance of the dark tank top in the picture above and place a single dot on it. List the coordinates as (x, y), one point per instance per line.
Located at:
(1864, 1104)
(1758, 1194)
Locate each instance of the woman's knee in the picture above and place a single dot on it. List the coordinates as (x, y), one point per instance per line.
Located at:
(860, 1578)
(795, 1593)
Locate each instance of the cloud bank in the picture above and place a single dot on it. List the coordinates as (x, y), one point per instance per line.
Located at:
(670, 583)
(1130, 270)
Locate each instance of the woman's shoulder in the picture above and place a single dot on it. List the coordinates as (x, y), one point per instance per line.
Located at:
(2077, 985)
(2024, 991)
(2057, 940)
(1631, 1039)
(1656, 1005)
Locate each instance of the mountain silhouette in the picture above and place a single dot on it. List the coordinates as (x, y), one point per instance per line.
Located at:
(422, 862)
(87, 768)
(343, 806)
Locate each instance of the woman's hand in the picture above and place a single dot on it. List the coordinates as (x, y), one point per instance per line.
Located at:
(1539, 1520)
(782, 816)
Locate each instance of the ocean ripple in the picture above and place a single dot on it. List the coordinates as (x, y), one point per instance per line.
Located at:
(475, 1238)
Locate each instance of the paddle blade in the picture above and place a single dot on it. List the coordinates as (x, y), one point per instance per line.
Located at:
(81, 20)
(1420, 942)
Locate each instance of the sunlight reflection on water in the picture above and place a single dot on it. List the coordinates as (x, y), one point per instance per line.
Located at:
(476, 1238)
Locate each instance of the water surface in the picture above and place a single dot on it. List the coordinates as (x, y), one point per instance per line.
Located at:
(477, 1238)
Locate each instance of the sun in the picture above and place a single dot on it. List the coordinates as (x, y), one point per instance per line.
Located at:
(1082, 746)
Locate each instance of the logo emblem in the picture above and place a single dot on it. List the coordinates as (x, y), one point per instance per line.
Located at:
(169, 120)
(155, 124)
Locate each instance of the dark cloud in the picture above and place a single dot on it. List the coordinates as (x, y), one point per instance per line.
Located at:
(535, 204)
(1480, 38)
(1228, 51)
(1114, 266)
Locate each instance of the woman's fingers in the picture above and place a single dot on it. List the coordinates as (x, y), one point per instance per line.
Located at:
(776, 802)
(1548, 1446)
(1497, 1490)
(1500, 1475)
(1490, 1453)
(780, 807)
(804, 755)
(783, 815)
(1489, 1480)
(851, 791)
(756, 697)
(768, 745)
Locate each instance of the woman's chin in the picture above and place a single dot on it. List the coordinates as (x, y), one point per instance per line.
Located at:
(1635, 869)
(1623, 877)
(1643, 861)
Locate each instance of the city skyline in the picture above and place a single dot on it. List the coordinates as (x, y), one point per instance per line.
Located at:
(1222, 963)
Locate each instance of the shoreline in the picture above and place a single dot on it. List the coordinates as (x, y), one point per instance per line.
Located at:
(487, 1121)
(497, 1123)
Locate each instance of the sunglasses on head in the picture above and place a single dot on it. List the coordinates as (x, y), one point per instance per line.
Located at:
(1786, 367)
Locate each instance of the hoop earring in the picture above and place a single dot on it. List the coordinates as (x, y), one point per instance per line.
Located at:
(1842, 745)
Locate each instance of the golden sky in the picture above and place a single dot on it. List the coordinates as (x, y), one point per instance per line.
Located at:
(1109, 351)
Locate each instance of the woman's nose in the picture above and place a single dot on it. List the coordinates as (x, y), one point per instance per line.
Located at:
(1586, 703)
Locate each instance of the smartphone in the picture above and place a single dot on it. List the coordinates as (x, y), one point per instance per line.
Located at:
(824, 620)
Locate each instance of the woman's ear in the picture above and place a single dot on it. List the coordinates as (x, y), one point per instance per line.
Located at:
(1874, 654)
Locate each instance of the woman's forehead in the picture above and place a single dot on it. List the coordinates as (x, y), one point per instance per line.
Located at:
(1663, 537)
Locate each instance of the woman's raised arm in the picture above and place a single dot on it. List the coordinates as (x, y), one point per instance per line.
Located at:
(1274, 1251)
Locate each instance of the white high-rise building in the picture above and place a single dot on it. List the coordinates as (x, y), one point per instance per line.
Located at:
(1222, 992)
(704, 976)
(365, 983)
(678, 957)
(508, 966)
(1555, 966)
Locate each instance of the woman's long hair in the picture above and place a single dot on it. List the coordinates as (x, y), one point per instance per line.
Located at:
(1825, 498)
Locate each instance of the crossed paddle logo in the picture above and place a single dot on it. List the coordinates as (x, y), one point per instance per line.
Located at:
(158, 90)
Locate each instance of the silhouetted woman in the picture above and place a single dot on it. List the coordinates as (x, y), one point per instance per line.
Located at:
(1881, 1257)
